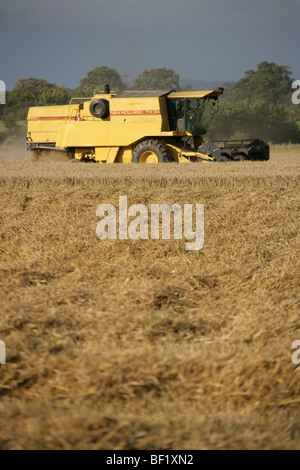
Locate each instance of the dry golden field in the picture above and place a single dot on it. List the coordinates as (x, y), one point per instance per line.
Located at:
(141, 344)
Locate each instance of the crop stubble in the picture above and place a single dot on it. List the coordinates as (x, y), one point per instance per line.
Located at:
(140, 344)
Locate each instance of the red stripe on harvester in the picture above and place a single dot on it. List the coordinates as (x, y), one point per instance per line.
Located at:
(43, 118)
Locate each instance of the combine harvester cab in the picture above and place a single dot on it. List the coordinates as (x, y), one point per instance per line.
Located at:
(134, 127)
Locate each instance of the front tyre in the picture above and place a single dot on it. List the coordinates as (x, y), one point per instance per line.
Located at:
(150, 151)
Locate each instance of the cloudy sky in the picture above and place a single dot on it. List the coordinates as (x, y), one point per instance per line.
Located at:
(213, 40)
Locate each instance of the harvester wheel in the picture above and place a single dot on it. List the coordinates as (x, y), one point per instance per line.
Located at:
(150, 151)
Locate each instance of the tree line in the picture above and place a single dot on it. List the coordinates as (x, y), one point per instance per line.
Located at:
(259, 105)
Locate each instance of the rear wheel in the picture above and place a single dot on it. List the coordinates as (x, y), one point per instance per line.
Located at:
(150, 151)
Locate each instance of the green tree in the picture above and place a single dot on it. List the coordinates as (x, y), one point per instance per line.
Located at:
(156, 79)
(95, 81)
(31, 92)
(270, 82)
(259, 106)
(54, 95)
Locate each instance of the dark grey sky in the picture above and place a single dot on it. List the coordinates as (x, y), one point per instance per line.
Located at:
(217, 40)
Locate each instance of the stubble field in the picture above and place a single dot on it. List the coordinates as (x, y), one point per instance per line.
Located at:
(140, 344)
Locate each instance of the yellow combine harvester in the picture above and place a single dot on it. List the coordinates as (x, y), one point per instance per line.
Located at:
(135, 126)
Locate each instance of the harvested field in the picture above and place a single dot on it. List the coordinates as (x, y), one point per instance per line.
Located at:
(140, 344)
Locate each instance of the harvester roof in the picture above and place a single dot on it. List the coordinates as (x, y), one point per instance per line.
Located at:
(171, 93)
(142, 94)
(195, 94)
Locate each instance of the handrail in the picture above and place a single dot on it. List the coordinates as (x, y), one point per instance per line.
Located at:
(84, 98)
